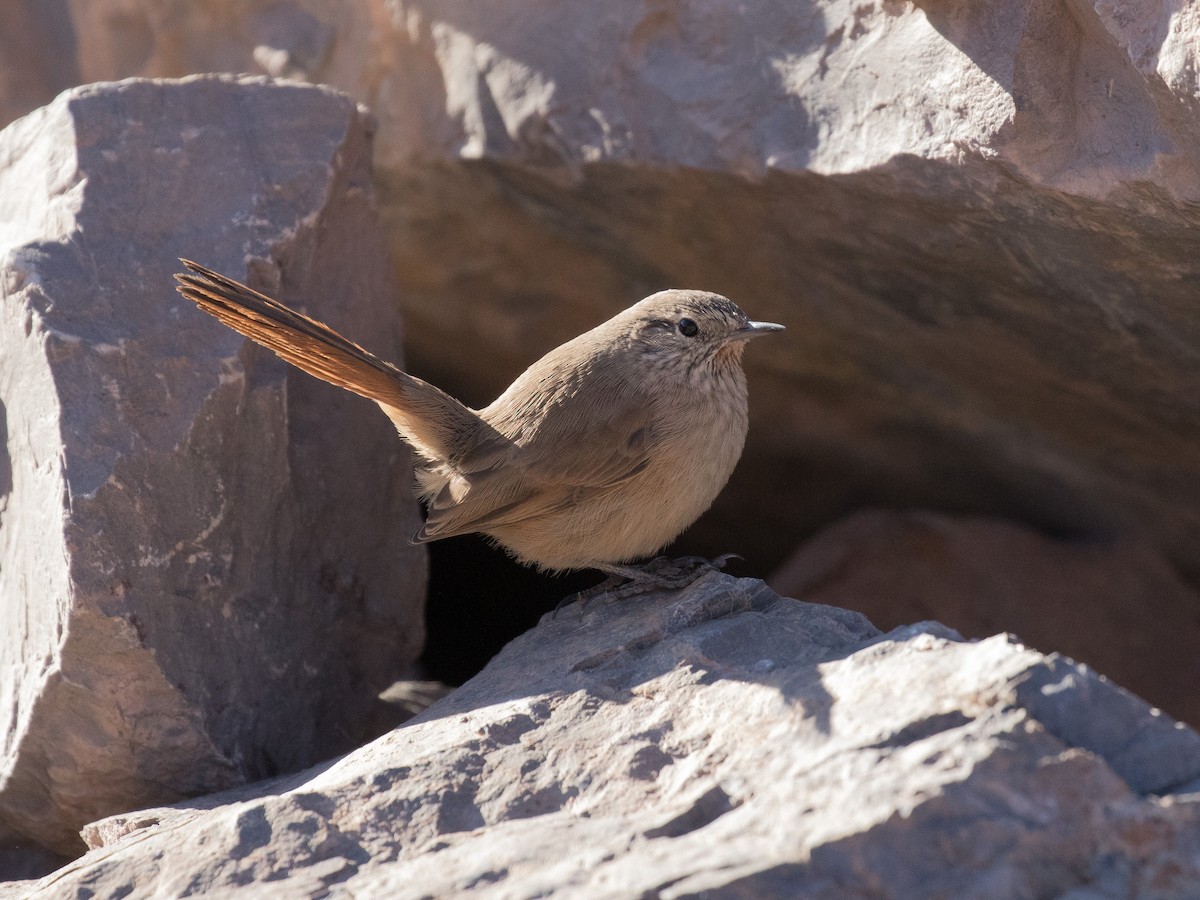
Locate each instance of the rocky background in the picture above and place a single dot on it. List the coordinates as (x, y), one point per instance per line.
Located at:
(976, 220)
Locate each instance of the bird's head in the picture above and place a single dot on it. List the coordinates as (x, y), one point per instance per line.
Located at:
(693, 330)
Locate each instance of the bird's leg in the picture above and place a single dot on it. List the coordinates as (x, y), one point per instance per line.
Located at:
(660, 573)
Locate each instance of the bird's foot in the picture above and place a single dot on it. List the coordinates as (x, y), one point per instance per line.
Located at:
(582, 597)
(660, 573)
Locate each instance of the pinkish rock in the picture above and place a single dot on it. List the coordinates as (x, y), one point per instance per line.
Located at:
(204, 570)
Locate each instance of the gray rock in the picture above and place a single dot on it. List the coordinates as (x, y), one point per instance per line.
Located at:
(204, 569)
(720, 741)
(1074, 99)
(1116, 604)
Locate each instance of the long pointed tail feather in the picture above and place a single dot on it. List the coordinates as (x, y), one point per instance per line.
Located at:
(433, 421)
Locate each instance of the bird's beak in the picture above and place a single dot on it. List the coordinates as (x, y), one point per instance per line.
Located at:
(753, 330)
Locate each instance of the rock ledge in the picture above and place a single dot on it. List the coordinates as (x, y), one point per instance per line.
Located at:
(717, 739)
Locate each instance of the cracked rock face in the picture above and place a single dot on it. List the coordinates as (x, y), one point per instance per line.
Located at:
(174, 621)
(719, 739)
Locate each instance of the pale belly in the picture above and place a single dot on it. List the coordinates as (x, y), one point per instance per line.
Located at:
(640, 516)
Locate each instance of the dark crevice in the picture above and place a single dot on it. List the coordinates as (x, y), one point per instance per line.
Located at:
(918, 731)
(707, 809)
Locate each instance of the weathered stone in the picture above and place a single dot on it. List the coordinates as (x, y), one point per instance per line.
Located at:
(1117, 605)
(1076, 98)
(204, 569)
(719, 740)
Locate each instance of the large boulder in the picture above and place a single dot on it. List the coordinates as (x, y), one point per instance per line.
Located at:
(719, 742)
(204, 570)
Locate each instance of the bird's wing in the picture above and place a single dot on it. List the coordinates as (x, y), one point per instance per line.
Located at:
(436, 424)
(571, 459)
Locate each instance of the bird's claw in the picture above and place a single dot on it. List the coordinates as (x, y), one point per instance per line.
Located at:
(660, 573)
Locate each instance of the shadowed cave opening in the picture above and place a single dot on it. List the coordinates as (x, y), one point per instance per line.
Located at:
(951, 347)
(479, 599)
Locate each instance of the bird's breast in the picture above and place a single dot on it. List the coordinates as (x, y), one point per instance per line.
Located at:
(697, 444)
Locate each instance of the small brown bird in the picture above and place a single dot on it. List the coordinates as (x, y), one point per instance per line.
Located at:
(601, 452)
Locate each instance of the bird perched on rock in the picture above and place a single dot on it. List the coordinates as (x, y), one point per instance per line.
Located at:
(600, 453)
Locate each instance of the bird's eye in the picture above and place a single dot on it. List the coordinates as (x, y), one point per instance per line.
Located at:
(688, 328)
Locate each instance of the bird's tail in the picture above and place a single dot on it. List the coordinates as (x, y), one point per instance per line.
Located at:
(433, 421)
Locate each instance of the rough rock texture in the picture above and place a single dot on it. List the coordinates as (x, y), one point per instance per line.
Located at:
(719, 740)
(1074, 96)
(1113, 604)
(174, 620)
(977, 220)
